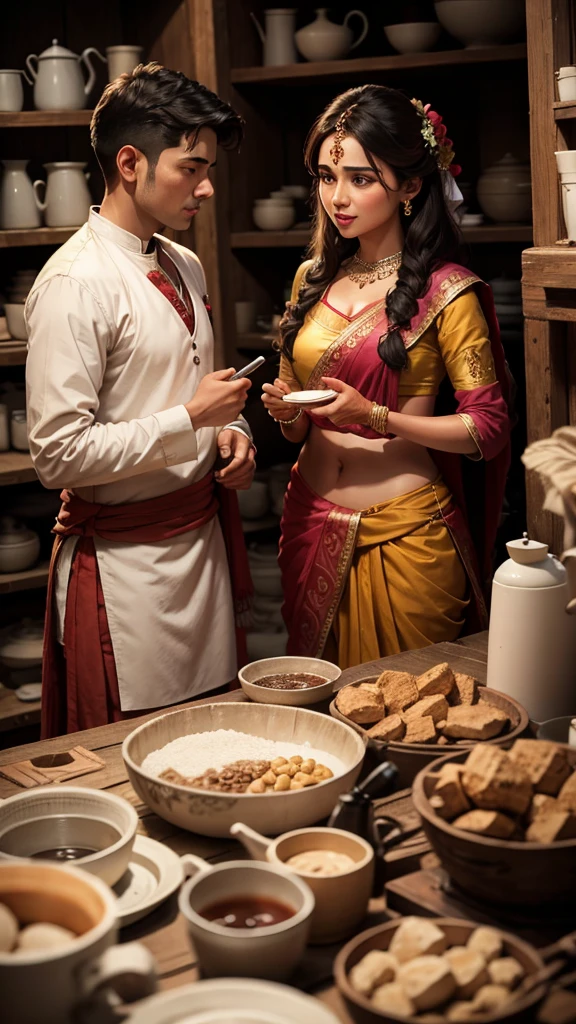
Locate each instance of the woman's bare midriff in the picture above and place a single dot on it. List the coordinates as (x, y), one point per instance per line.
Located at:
(358, 473)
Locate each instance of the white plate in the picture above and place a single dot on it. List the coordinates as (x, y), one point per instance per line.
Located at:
(29, 691)
(310, 397)
(154, 873)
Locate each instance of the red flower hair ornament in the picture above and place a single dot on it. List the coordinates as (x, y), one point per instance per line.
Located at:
(435, 135)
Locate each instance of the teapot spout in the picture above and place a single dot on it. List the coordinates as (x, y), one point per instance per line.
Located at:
(259, 28)
(256, 844)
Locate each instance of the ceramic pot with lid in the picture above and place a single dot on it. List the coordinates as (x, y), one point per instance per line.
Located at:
(322, 39)
(21, 645)
(532, 636)
(58, 79)
(505, 190)
(19, 546)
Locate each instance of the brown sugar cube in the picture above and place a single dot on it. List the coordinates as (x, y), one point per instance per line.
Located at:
(474, 722)
(415, 937)
(492, 781)
(439, 679)
(390, 728)
(490, 998)
(567, 795)
(545, 763)
(398, 689)
(420, 730)
(542, 803)
(465, 689)
(392, 998)
(435, 706)
(361, 704)
(469, 970)
(427, 980)
(505, 971)
(487, 941)
(486, 823)
(449, 799)
(375, 968)
(551, 826)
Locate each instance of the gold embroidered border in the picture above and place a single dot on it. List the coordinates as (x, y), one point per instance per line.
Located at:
(450, 287)
(360, 328)
(343, 568)
(474, 434)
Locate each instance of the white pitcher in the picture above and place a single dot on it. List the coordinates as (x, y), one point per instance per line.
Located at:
(67, 200)
(59, 84)
(17, 201)
(278, 39)
(324, 40)
(11, 91)
(122, 59)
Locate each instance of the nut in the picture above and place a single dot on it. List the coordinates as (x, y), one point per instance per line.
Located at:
(282, 783)
(305, 779)
(257, 786)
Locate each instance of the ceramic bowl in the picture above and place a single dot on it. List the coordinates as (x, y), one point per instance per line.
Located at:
(566, 161)
(20, 556)
(267, 580)
(457, 932)
(413, 37)
(212, 813)
(250, 674)
(513, 206)
(481, 22)
(54, 817)
(254, 502)
(21, 645)
(266, 644)
(14, 312)
(276, 216)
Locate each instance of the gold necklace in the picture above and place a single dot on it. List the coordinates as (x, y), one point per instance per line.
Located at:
(362, 273)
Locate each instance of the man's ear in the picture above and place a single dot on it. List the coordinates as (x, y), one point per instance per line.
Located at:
(127, 161)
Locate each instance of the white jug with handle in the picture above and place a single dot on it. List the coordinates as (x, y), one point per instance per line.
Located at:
(59, 83)
(17, 207)
(11, 91)
(67, 201)
(278, 39)
(322, 39)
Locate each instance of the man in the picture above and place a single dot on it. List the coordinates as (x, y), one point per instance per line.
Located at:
(126, 413)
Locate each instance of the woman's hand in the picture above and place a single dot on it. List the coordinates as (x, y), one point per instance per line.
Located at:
(272, 399)
(350, 408)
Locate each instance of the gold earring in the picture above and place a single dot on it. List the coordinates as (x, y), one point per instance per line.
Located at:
(407, 208)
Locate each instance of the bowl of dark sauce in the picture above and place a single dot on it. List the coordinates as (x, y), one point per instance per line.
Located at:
(289, 680)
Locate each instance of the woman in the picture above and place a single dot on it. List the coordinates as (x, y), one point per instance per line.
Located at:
(376, 552)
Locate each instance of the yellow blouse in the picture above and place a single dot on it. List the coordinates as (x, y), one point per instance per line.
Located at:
(457, 343)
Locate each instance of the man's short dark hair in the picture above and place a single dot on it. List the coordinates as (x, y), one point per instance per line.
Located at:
(152, 108)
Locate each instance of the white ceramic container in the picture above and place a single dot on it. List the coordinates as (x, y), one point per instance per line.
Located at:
(21, 645)
(11, 91)
(566, 161)
(17, 203)
(122, 60)
(277, 35)
(67, 199)
(15, 321)
(414, 36)
(532, 638)
(19, 430)
(19, 547)
(58, 79)
(271, 215)
(504, 190)
(270, 952)
(569, 207)
(250, 674)
(481, 22)
(566, 78)
(322, 39)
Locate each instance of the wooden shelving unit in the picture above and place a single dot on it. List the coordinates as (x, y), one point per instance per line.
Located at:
(45, 118)
(30, 579)
(484, 233)
(564, 111)
(12, 353)
(16, 468)
(35, 236)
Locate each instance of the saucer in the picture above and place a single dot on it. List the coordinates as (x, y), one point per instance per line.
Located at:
(310, 397)
(29, 691)
(153, 874)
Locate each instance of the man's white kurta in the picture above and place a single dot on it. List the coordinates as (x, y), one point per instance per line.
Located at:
(110, 367)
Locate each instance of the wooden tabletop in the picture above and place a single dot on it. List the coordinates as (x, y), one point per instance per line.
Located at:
(164, 931)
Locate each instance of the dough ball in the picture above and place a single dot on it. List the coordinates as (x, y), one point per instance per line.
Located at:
(43, 936)
(8, 929)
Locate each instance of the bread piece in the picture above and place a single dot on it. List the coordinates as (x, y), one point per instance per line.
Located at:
(465, 689)
(439, 679)
(486, 823)
(542, 803)
(474, 722)
(427, 980)
(567, 795)
(420, 730)
(435, 706)
(546, 764)
(392, 998)
(398, 689)
(375, 968)
(505, 971)
(390, 728)
(492, 781)
(486, 941)
(461, 1011)
(490, 998)
(362, 704)
(550, 826)
(449, 799)
(469, 970)
(415, 937)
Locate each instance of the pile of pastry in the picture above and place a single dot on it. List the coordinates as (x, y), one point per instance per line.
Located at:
(526, 793)
(440, 706)
(420, 972)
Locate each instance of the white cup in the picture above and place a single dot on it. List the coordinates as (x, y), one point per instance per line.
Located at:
(56, 985)
(11, 91)
(566, 161)
(245, 313)
(122, 59)
(272, 951)
(567, 83)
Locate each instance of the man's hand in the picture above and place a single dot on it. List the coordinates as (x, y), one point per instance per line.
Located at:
(218, 399)
(238, 475)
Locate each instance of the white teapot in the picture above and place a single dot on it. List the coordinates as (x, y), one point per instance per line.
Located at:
(58, 80)
(322, 39)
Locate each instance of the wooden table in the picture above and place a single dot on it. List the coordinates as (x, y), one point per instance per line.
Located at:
(164, 931)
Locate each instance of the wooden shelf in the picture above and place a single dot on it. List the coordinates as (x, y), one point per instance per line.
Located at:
(565, 111)
(35, 236)
(300, 74)
(16, 468)
(549, 282)
(14, 713)
(255, 342)
(299, 239)
(30, 579)
(13, 353)
(499, 233)
(45, 118)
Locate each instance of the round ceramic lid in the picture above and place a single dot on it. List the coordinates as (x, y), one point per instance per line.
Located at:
(530, 565)
(57, 51)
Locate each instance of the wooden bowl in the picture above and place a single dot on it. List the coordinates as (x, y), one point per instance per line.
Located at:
(457, 932)
(250, 674)
(502, 872)
(210, 812)
(410, 758)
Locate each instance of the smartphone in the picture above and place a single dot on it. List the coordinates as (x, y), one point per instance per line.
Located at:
(246, 370)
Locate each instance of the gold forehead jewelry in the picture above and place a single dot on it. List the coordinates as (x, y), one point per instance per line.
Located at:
(362, 273)
(337, 151)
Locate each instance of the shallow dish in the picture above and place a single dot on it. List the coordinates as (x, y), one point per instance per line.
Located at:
(310, 397)
(414, 36)
(211, 813)
(153, 874)
(250, 674)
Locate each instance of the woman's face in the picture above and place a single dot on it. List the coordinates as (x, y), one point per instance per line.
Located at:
(352, 194)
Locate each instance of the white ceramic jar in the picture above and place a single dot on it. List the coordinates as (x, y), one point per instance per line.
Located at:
(67, 200)
(322, 39)
(18, 208)
(532, 638)
(19, 546)
(11, 91)
(19, 430)
(505, 191)
(566, 78)
(277, 36)
(122, 59)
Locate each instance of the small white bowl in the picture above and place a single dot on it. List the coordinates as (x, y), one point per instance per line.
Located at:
(19, 557)
(275, 217)
(414, 36)
(566, 161)
(250, 674)
(15, 320)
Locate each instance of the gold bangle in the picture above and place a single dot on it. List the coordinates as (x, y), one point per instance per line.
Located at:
(379, 418)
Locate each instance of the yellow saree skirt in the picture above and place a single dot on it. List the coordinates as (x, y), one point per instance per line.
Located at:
(406, 587)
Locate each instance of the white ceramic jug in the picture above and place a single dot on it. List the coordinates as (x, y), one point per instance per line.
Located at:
(532, 638)
(17, 203)
(59, 84)
(122, 59)
(278, 39)
(67, 201)
(322, 39)
(11, 91)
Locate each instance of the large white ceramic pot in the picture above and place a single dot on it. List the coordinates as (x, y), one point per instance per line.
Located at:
(19, 546)
(481, 22)
(504, 191)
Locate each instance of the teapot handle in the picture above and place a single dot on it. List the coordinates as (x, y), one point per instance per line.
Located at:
(41, 204)
(27, 77)
(258, 27)
(85, 57)
(33, 70)
(364, 32)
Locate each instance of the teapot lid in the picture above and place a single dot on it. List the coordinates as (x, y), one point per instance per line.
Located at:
(526, 551)
(530, 565)
(57, 51)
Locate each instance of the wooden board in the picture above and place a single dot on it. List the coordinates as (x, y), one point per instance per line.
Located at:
(565, 111)
(484, 233)
(45, 769)
(16, 468)
(13, 353)
(30, 579)
(35, 236)
(45, 118)
(549, 283)
(16, 714)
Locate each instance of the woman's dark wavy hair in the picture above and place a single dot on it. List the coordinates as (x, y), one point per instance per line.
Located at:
(388, 128)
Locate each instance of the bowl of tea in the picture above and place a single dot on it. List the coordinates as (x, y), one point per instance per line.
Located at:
(289, 680)
(246, 919)
(90, 828)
